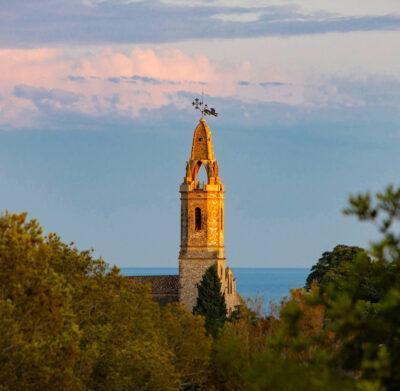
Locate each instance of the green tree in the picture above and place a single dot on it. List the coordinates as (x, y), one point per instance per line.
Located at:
(211, 301)
(291, 352)
(122, 346)
(362, 299)
(341, 333)
(69, 321)
(235, 347)
(370, 329)
(187, 339)
(271, 371)
(39, 334)
(330, 264)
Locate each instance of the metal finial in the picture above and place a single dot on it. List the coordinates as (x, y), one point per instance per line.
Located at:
(203, 108)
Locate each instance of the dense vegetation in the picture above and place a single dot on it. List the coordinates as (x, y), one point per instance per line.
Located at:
(69, 322)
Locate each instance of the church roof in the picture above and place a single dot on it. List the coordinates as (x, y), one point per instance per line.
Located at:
(164, 288)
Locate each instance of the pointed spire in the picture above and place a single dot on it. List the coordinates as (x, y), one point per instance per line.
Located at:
(202, 148)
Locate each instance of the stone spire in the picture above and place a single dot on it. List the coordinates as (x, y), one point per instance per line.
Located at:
(202, 148)
(202, 154)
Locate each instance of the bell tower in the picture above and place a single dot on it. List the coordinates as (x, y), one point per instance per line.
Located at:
(202, 220)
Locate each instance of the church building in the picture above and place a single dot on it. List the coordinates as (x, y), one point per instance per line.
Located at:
(202, 230)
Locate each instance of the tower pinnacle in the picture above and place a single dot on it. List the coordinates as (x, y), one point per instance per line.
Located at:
(202, 154)
(202, 148)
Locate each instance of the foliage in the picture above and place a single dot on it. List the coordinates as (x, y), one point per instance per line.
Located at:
(330, 263)
(360, 298)
(39, 335)
(270, 371)
(343, 332)
(69, 322)
(290, 353)
(235, 347)
(211, 301)
(191, 347)
(369, 328)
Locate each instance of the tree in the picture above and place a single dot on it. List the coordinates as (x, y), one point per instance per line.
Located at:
(291, 352)
(69, 321)
(362, 298)
(187, 339)
(341, 333)
(330, 264)
(235, 347)
(211, 301)
(371, 329)
(270, 371)
(39, 335)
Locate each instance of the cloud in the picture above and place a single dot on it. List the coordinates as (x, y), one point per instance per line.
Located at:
(37, 83)
(43, 88)
(153, 80)
(79, 22)
(372, 90)
(40, 95)
(137, 78)
(143, 79)
(271, 84)
(245, 83)
(243, 17)
(115, 80)
(76, 78)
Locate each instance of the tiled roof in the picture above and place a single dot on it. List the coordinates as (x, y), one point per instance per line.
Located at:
(165, 286)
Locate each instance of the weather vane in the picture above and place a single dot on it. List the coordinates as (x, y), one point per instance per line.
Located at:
(203, 108)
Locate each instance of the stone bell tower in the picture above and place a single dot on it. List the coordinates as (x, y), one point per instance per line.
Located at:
(202, 222)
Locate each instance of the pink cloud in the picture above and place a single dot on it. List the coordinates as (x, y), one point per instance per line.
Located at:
(169, 64)
(110, 80)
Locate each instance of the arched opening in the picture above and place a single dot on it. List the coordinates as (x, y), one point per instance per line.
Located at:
(200, 175)
(197, 219)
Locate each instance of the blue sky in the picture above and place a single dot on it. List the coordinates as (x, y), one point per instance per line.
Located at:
(96, 121)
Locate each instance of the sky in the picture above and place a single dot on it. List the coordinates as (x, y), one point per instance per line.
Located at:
(96, 120)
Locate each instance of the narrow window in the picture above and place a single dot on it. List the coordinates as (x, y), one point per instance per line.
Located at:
(197, 215)
(222, 220)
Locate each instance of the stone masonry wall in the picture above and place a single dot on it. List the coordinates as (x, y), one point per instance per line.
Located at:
(191, 272)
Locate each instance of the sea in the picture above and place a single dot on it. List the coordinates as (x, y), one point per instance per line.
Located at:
(263, 285)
